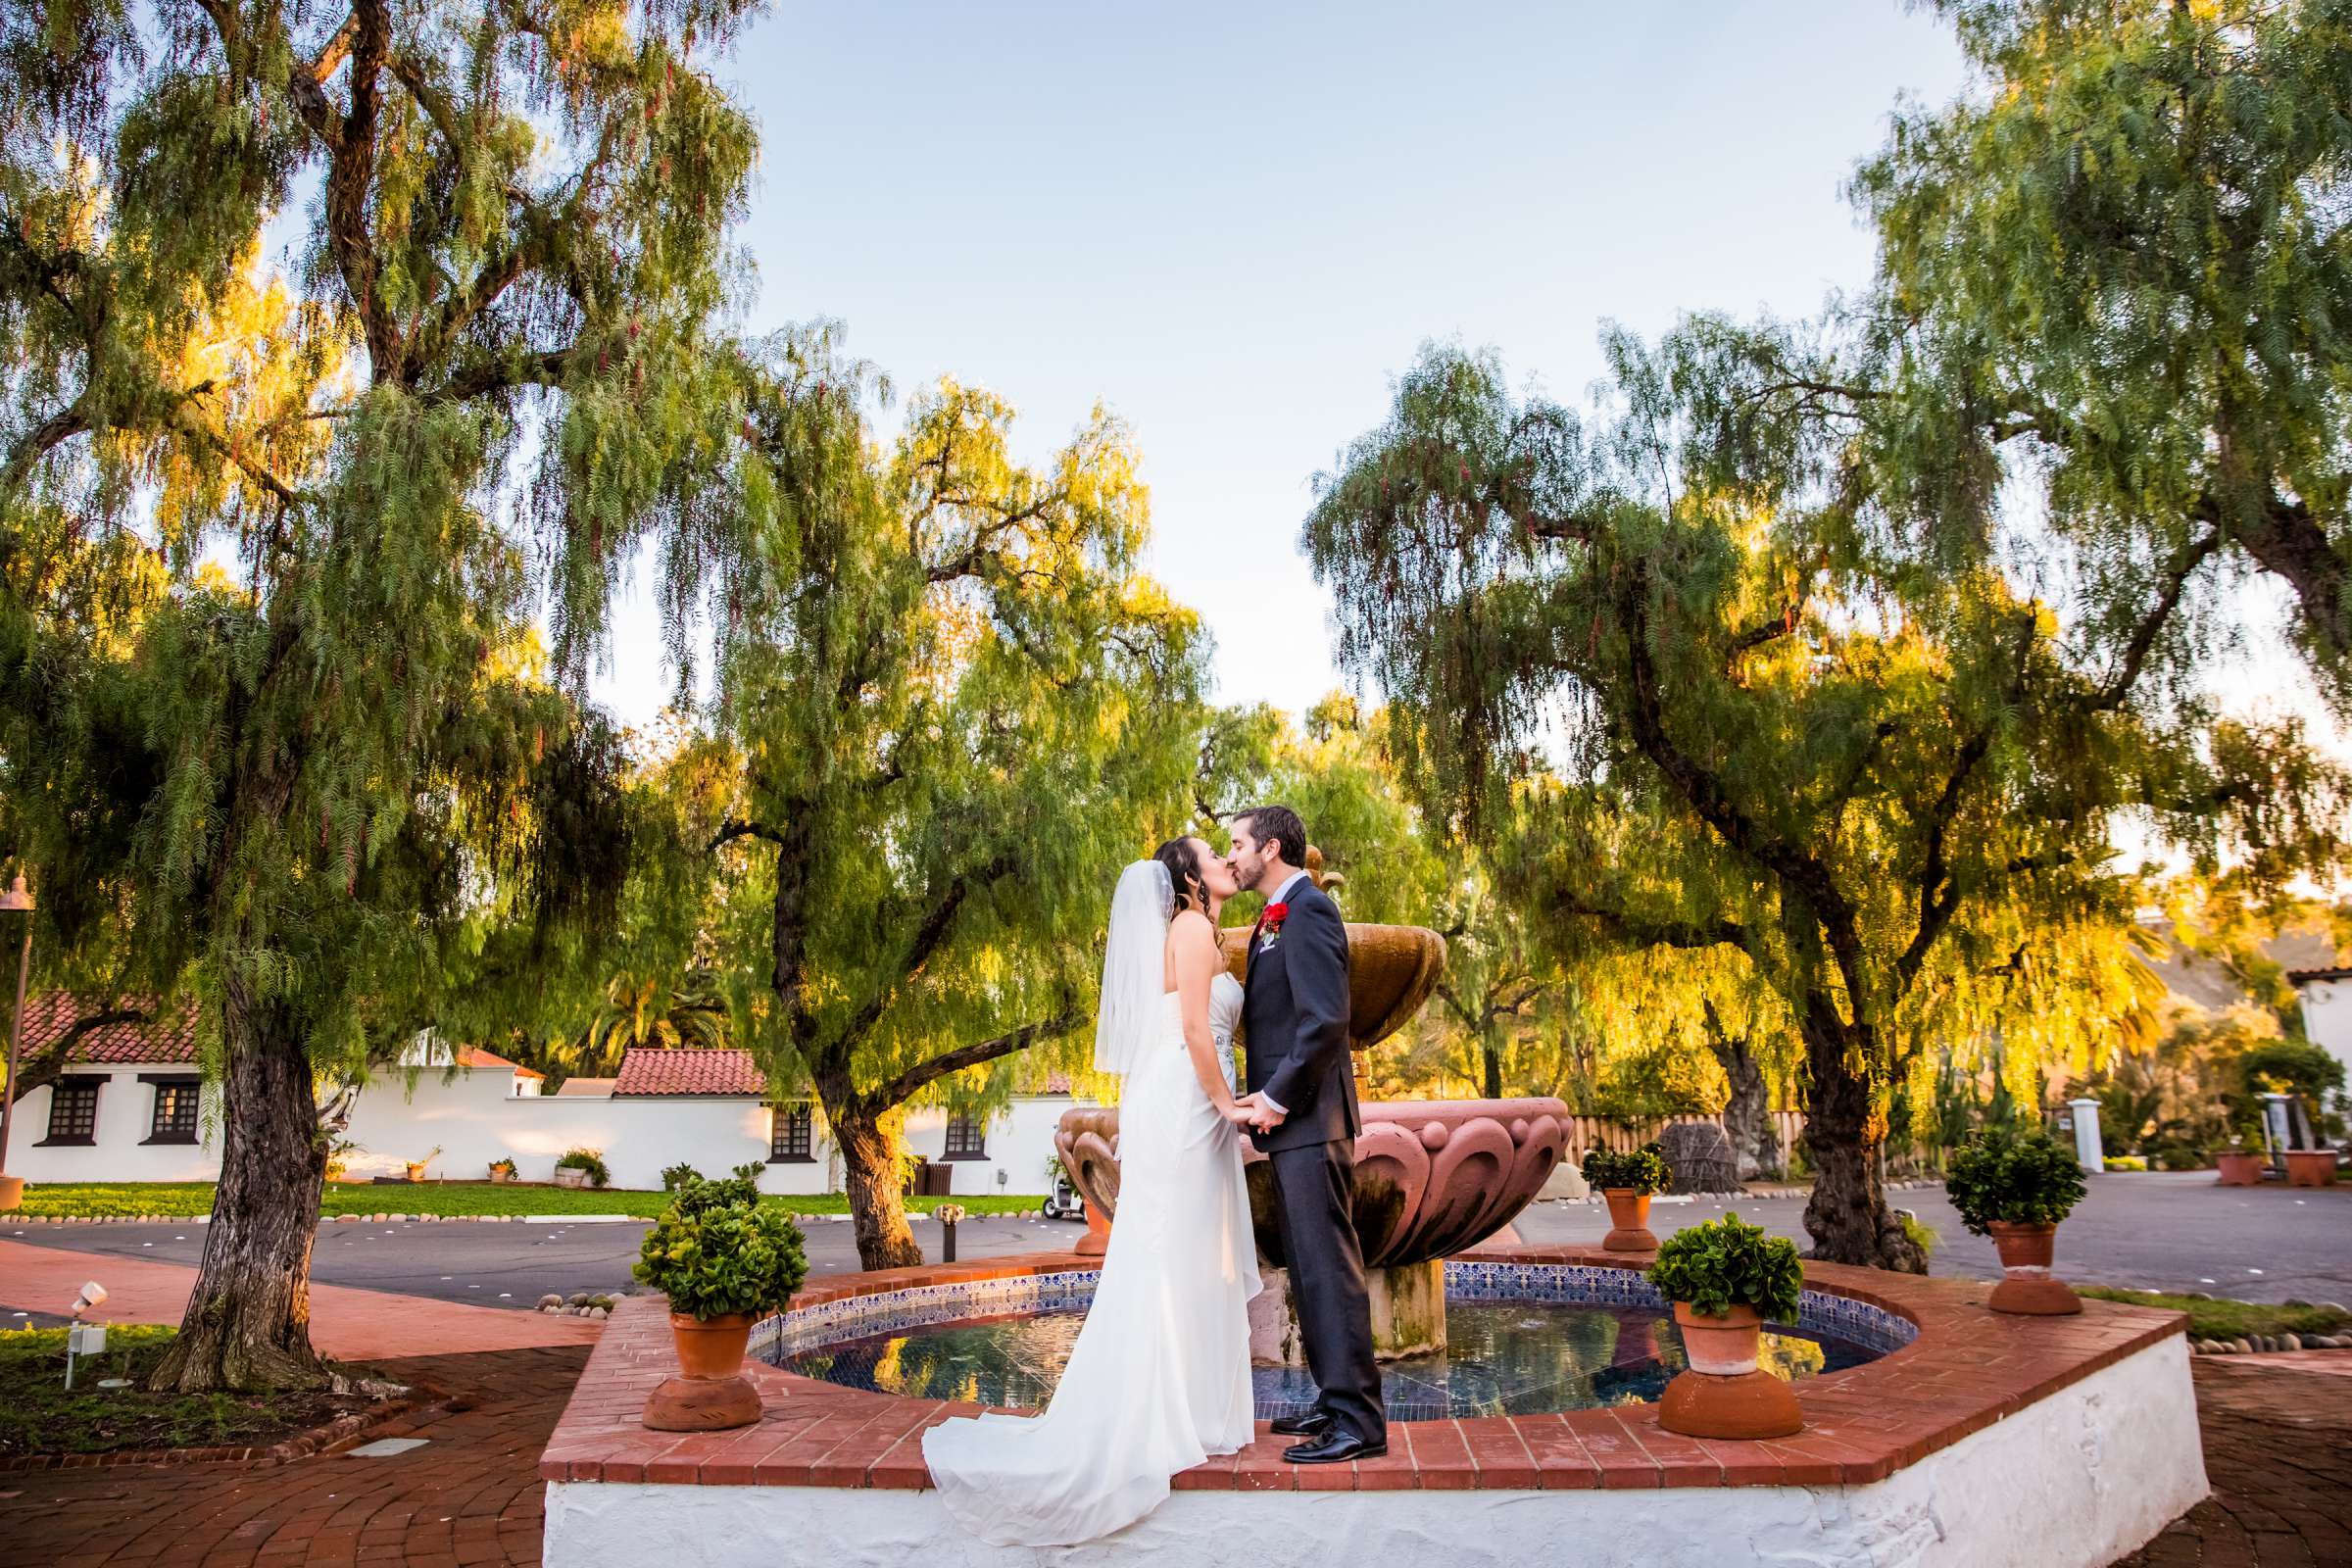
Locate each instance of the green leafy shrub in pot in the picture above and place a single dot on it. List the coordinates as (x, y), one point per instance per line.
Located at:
(717, 1251)
(2010, 1178)
(590, 1160)
(675, 1176)
(1727, 1263)
(1643, 1170)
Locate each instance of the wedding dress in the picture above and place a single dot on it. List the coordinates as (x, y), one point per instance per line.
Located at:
(1159, 1378)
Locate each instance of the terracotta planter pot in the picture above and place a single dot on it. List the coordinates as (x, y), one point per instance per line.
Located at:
(12, 1192)
(1629, 1221)
(1725, 1394)
(500, 1178)
(710, 1346)
(2238, 1168)
(2305, 1167)
(709, 1394)
(2027, 1286)
(416, 1173)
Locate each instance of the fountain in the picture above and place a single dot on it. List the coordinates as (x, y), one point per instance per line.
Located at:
(1939, 1434)
(1431, 1177)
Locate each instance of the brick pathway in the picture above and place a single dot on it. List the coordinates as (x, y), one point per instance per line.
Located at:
(2278, 1452)
(345, 1323)
(473, 1494)
(2277, 1446)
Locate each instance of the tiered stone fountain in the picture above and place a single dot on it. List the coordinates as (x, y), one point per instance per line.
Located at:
(1431, 1177)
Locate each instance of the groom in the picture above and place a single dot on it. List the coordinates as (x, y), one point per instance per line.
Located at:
(1302, 1111)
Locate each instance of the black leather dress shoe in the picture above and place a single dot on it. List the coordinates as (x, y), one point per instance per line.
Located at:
(1335, 1446)
(1313, 1424)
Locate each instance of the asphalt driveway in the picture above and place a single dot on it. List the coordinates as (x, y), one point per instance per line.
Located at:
(2156, 1230)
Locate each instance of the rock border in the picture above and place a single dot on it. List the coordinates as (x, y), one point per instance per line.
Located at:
(403, 1411)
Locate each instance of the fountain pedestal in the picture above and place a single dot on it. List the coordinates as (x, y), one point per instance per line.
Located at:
(1409, 1315)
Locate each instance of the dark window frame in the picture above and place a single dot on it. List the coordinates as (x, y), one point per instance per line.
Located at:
(974, 1135)
(186, 1083)
(788, 1126)
(73, 1084)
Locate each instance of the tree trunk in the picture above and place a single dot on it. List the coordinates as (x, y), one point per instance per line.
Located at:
(248, 1320)
(1847, 1217)
(1747, 1114)
(869, 1157)
(1490, 1059)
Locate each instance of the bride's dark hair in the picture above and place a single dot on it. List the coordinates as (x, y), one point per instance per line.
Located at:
(1184, 874)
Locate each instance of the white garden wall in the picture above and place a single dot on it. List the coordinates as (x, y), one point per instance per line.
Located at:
(475, 1117)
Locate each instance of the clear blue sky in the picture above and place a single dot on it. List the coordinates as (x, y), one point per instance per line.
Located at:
(1232, 224)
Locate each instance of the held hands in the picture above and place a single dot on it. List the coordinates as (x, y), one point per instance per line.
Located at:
(1253, 1111)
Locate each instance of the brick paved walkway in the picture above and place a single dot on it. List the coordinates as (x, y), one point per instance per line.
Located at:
(345, 1323)
(2279, 1453)
(2277, 1446)
(473, 1494)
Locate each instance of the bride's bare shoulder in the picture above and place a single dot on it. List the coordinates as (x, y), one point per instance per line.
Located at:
(1191, 925)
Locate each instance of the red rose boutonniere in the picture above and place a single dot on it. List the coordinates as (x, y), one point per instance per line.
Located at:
(1272, 920)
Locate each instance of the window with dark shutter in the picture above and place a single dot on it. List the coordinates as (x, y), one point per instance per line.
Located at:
(74, 1110)
(967, 1138)
(176, 1107)
(791, 1137)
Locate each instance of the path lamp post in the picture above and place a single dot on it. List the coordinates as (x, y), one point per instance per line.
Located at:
(18, 900)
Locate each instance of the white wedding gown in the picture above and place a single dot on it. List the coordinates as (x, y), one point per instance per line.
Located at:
(1159, 1378)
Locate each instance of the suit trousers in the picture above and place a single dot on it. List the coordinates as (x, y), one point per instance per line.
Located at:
(1314, 1186)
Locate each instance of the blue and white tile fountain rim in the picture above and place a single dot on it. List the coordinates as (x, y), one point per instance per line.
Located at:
(856, 1317)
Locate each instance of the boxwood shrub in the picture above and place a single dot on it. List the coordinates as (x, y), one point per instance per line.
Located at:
(1644, 1170)
(2027, 1178)
(1727, 1263)
(717, 1249)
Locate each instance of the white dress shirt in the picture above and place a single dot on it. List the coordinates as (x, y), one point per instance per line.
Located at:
(1281, 894)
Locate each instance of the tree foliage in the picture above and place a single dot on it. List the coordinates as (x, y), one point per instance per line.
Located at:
(274, 541)
(950, 706)
(1688, 671)
(2120, 263)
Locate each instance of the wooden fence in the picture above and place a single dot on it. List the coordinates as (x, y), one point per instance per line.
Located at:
(1624, 1137)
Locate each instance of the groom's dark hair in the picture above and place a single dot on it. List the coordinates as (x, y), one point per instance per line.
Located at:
(1281, 824)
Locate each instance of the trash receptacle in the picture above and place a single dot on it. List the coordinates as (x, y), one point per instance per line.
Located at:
(934, 1180)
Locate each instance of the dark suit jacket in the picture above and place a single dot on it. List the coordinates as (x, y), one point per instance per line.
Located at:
(1295, 1017)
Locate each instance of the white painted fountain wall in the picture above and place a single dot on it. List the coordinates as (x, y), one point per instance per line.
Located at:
(2074, 1481)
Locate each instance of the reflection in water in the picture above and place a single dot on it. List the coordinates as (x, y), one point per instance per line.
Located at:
(1501, 1358)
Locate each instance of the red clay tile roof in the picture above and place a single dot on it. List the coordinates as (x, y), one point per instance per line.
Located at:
(49, 1015)
(586, 1089)
(652, 1071)
(477, 1056)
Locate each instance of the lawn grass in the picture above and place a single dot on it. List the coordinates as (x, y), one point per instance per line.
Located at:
(39, 1415)
(189, 1199)
(2210, 1319)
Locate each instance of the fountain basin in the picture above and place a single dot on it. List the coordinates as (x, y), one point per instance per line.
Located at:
(2079, 1432)
(1432, 1178)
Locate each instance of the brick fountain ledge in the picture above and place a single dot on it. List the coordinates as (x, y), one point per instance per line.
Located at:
(1986, 1439)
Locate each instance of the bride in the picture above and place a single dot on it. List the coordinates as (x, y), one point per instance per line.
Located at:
(1159, 1378)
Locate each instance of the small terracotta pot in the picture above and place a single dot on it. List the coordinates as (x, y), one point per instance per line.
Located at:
(709, 1394)
(2238, 1168)
(1725, 1394)
(710, 1346)
(2305, 1167)
(1628, 1220)
(416, 1173)
(500, 1178)
(2027, 1286)
(12, 1192)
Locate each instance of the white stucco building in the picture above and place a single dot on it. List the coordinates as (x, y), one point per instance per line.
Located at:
(132, 1106)
(2326, 998)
